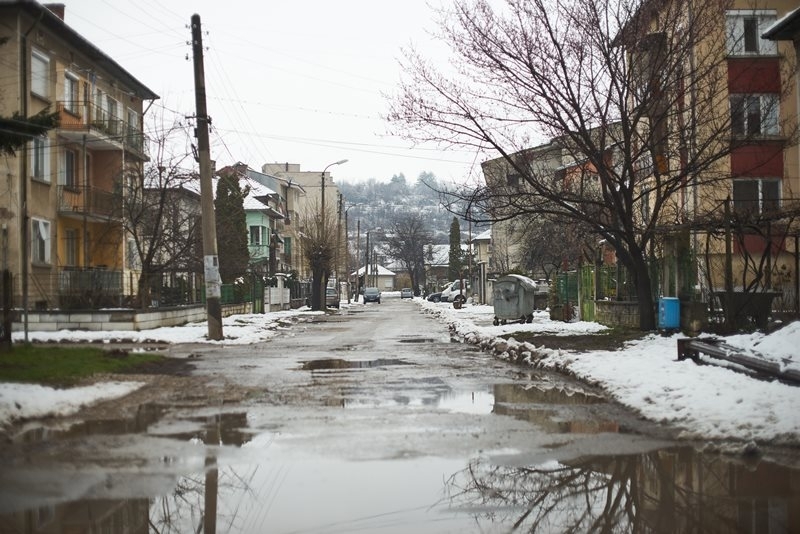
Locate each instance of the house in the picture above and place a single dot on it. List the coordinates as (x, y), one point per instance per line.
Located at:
(377, 276)
(264, 212)
(62, 205)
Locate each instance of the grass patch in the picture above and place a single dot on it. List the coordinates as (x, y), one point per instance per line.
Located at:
(64, 366)
(611, 339)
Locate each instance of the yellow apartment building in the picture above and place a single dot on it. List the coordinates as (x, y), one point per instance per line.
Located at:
(63, 233)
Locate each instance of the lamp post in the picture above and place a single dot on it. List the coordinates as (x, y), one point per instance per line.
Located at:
(322, 193)
(321, 283)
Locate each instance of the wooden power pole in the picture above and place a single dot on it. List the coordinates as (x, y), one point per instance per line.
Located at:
(210, 258)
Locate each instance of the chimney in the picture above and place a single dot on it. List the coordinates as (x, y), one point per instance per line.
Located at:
(56, 9)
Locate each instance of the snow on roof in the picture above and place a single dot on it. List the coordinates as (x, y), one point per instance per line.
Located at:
(784, 28)
(382, 271)
(486, 235)
(251, 201)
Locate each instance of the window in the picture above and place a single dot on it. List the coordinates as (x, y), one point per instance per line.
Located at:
(71, 93)
(134, 261)
(71, 247)
(513, 179)
(40, 74)
(257, 235)
(287, 246)
(68, 175)
(744, 29)
(756, 196)
(100, 108)
(40, 162)
(754, 114)
(112, 115)
(40, 241)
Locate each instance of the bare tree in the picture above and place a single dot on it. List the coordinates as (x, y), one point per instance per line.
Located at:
(406, 243)
(632, 96)
(318, 240)
(161, 212)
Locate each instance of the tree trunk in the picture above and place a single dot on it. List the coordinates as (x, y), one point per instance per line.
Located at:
(143, 291)
(644, 294)
(317, 289)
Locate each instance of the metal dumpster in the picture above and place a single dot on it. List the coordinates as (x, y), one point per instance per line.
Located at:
(514, 299)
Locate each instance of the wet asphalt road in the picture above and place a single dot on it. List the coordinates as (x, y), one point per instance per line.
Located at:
(370, 419)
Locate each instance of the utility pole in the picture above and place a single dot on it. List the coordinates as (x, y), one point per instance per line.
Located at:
(210, 258)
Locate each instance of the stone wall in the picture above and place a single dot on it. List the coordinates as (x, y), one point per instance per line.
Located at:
(617, 313)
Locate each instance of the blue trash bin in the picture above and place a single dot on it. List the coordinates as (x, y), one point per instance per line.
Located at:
(669, 313)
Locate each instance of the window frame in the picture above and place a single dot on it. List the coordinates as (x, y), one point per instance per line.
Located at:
(71, 93)
(746, 205)
(70, 247)
(256, 234)
(40, 77)
(741, 108)
(40, 244)
(68, 175)
(736, 37)
(40, 160)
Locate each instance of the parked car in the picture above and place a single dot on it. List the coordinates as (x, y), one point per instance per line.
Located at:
(406, 293)
(453, 290)
(435, 297)
(372, 294)
(331, 297)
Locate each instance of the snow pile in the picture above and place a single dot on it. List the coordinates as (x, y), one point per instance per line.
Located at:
(30, 400)
(708, 402)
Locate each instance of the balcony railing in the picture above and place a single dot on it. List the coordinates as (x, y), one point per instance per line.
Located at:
(90, 118)
(89, 201)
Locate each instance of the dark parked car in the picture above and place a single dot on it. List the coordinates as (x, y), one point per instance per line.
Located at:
(331, 297)
(406, 293)
(372, 294)
(435, 297)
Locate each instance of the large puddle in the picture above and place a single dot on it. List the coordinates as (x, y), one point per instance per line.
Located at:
(248, 480)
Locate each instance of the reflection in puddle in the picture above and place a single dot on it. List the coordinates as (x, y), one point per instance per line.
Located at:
(228, 426)
(337, 363)
(670, 490)
(556, 409)
(477, 402)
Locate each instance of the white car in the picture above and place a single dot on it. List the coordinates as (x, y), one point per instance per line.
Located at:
(454, 290)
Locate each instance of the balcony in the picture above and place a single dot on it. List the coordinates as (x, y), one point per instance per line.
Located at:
(103, 130)
(91, 202)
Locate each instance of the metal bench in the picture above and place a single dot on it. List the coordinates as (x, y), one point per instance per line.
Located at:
(693, 348)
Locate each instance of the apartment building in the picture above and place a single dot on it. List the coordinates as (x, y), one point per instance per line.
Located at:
(760, 98)
(308, 204)
(61, 194)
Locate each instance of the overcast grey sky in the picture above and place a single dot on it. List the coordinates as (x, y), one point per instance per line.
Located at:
(298, 81)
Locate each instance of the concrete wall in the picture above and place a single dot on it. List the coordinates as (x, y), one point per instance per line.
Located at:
(126, 320)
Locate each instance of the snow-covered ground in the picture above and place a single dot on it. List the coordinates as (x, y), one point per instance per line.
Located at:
(708, 402)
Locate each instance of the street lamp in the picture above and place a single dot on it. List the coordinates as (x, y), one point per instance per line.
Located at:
(322, 194)
(321, 283)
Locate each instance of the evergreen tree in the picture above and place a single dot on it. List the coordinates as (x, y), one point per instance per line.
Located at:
(456, 256)
(231, 225)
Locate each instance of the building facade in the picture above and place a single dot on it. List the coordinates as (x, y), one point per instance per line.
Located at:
(64, 239)
(308, 205)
